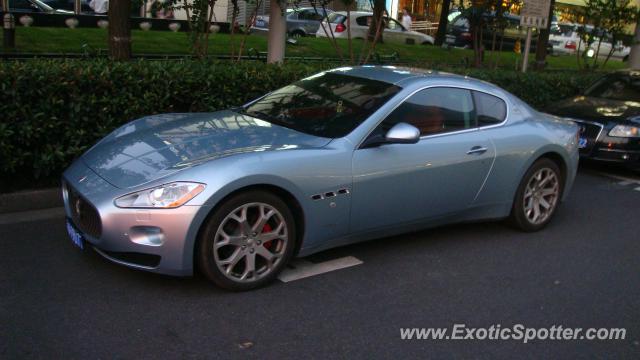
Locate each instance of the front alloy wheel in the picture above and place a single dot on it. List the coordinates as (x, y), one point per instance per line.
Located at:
(247, 241)
(250, 242)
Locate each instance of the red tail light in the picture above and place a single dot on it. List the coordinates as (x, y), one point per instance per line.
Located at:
(570, 45)
(340, 28)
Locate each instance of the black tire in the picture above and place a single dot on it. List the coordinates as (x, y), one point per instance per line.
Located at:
(205, 249)
(518, 217)
(298, 34)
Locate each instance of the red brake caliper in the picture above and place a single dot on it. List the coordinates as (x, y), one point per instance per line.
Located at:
(265, 229)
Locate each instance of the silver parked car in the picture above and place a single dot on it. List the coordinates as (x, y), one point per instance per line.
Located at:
(300, 21)
(342, 156)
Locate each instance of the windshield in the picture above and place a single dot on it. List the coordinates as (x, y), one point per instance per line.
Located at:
(616, 87)
(327, 104)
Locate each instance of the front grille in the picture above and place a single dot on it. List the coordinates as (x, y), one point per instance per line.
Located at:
(590, 132)
(83, 214)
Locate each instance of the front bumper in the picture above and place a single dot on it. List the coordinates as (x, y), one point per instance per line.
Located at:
(605, 148)
(156, 240)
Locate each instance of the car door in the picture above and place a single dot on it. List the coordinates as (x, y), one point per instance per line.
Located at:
(439, 175)
(360, 26)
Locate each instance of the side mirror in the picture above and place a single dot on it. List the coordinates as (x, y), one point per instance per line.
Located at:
(400, 133)
(403, 133)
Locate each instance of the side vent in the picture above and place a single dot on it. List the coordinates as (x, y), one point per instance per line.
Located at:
(330, 194)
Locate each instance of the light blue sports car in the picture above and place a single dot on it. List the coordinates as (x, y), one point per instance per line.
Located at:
(346, 155)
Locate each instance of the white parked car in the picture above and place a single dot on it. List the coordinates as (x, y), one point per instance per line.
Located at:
(393, 31)
(565, 39)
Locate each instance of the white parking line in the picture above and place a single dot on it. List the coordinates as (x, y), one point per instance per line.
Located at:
(300, 269)
(637, 189)
(625, 183)
(620, 178)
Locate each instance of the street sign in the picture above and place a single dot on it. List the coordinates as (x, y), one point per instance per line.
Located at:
(535, 13)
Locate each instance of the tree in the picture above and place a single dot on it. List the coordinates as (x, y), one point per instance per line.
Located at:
(277, 31)
(610, 18)
(634, 56)
(476, 16)
(442, 25)
(348, 4)
(543, 40)
(376, 26)
(200, 17)
(119, 30)
(320, 6)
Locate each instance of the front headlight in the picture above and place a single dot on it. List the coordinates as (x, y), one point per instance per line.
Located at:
(625, 131)
(167, 196)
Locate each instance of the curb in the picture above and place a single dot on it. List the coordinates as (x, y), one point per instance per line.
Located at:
(30, 200)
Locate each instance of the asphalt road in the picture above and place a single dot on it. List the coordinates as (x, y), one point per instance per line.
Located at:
(582, 271)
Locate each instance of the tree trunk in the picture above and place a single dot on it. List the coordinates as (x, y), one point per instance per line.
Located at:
(379, 7)
(119, 30)
(634, 56)
(277, 33)
(350, 41)
(543, 40)
(442, 24)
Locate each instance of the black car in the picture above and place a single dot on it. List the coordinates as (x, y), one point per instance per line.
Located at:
(609, 117)
(34, 6)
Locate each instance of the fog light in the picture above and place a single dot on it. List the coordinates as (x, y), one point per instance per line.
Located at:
(146, 235)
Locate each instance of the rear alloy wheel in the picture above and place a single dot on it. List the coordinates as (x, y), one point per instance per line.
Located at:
(248, 241)
(538, 196)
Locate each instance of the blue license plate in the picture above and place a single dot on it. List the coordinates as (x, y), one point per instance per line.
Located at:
(582, 143)
(75, 235)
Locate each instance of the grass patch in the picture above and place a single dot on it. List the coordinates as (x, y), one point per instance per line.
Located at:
(74, 41)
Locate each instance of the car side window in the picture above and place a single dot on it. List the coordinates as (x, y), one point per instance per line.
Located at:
(392, 24)
(490, 109)
(309, 15)
(435, 111)
(21, 5)
(363, 20)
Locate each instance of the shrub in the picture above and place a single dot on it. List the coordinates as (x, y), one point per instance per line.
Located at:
(51, 111)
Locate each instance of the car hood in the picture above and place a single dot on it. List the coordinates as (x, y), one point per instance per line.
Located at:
(597, 109)
(156, 146)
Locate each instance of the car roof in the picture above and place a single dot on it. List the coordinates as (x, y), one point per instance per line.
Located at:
(299, 9)
(355, 13)
(391, 74)
(408, 77)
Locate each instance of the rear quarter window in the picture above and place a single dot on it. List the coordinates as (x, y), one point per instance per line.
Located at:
(336, 18)
(490, 110)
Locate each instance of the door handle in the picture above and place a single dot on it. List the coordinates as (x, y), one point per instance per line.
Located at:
(477, 150)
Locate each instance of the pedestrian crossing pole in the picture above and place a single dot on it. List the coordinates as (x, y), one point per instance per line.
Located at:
(534, 13)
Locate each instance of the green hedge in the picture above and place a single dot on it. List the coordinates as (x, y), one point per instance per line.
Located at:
(51, 111)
